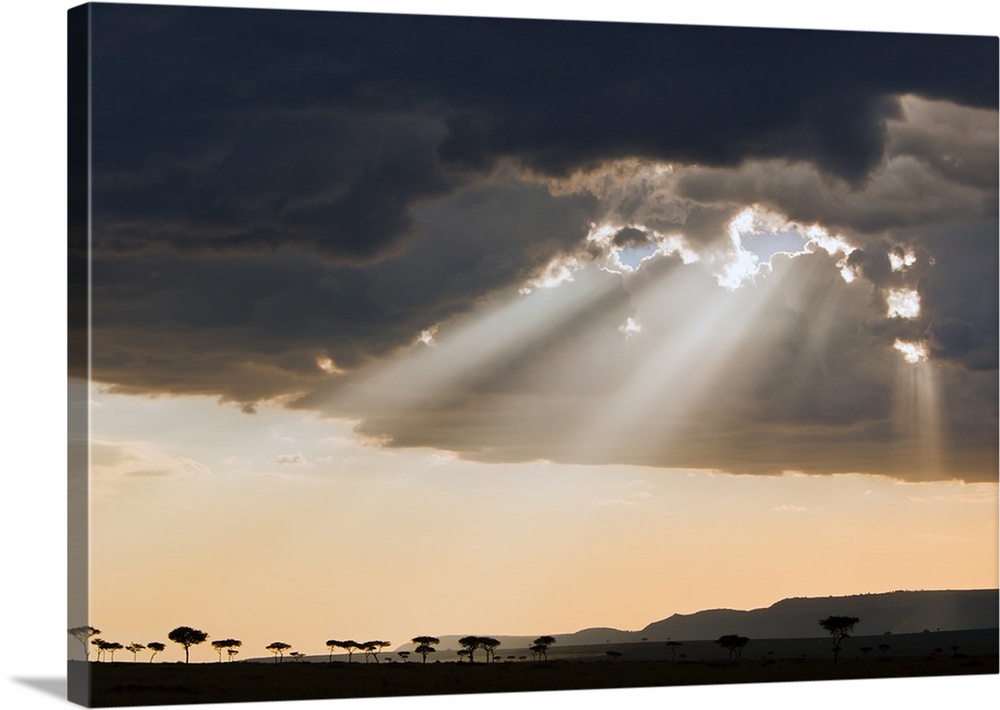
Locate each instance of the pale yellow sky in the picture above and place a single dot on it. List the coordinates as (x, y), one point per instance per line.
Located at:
(281, 526)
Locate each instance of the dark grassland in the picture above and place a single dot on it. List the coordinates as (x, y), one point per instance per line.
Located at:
(127, 683)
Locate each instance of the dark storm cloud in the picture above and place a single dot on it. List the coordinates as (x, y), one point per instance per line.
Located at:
(250, 327)
(630, 237)
(239, 129)
(280, 197)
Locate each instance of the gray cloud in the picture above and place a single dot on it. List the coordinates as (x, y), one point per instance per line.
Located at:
(811, 383)
(284, 204)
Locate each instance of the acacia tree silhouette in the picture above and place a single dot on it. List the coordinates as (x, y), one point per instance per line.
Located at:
(471, 644)
(225, 644)
(373, 648)
(839, 628)
(232, 652)
(112, 647)
(734, 644)
(490, 646)
(425, 645)
(278, 649)
(672, 645)
(83, 635)
(350, 646)
(187, 637)
(542, 644)
(155, 647)
(134, 648)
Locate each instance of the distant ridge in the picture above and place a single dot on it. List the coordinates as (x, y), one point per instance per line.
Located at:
(797, 617)
(893, 612)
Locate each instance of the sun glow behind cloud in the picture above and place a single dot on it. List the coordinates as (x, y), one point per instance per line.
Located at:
(903, 303)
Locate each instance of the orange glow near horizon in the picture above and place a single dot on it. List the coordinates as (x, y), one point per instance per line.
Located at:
(353, 541)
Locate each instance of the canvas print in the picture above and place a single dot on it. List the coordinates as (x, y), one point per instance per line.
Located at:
(426, 355)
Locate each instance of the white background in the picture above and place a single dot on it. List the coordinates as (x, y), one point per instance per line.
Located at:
(32, 409)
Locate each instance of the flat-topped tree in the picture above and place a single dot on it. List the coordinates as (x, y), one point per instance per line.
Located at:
(839, 628)
(155, 647)
(83, 634)
(471, 644)
(373, 648)
(350, 645)
(223, 644)
(425, 645)
(187, 637)
(672, 645)
(734, 644)
(490, 645)
(278, 648)
(232, 652)
(542, 643)
(134, 649)
(112, 647)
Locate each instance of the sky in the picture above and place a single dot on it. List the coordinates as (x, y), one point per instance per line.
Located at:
(305, 418)
(406, 325)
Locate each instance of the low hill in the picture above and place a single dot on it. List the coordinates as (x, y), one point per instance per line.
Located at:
(893, 612)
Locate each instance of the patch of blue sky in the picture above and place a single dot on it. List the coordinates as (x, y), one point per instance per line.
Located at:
(633, 256)
(766, 244)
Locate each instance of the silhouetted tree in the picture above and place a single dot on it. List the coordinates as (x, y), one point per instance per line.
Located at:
(734, 644)
(425, 645)
(536, 651)
(490, 646)
(295, 655)
(278, 649)
(332, 644)
(225, 644)
(613, 655)
(99, 644)
(350, 645)
(884, 648)
(187, 637)
(839, 628)
(542, 643)
(155, 647)
(112, 647)
(672, 645)
(471, 644)
(423, 649)
(134, 649)
(83, 635)
(372, 648)
(464, 653)
(404, 655)
(232, 652)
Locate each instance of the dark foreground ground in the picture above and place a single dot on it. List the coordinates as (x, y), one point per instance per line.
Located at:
(117, 684)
